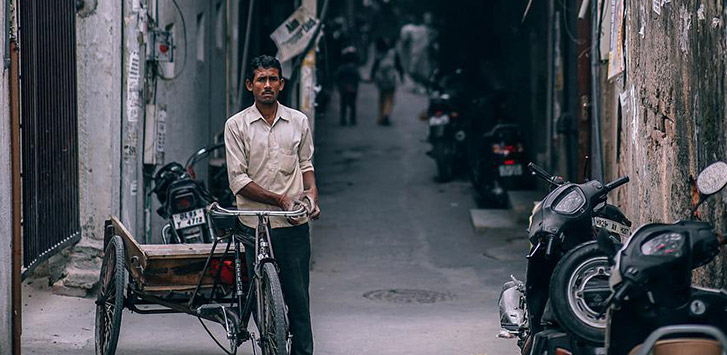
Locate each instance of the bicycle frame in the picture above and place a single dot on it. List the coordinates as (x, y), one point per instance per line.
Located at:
(263, 254)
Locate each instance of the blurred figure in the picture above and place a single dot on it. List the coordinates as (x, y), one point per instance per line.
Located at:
(418, 45)
(347, 79)
(385, 73)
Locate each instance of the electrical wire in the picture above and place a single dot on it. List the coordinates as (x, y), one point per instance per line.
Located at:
(184, 59)
(565, 24)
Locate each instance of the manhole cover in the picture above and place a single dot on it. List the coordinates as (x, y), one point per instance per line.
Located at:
(408, 296)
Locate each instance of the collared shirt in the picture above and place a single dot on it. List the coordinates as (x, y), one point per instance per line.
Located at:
(273, 156)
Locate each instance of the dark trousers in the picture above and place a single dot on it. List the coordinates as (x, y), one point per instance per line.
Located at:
(348, 103)
(291, 247)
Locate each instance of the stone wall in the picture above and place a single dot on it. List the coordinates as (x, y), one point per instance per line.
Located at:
(672, 118)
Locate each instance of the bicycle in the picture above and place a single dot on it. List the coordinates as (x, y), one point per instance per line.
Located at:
(270, 306)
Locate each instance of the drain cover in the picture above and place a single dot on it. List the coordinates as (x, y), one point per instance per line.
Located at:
(408, 296)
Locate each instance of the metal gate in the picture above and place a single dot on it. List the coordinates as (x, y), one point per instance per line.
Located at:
(49, 128)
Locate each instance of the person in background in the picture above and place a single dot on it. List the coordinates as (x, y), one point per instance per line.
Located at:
(347, 79)
(385, 73)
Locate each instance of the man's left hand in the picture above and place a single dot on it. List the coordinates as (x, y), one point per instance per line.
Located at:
(314, 212)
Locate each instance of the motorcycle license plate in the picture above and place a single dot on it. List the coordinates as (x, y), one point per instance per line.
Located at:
(612, 226)
(188, 219)
(511, 170)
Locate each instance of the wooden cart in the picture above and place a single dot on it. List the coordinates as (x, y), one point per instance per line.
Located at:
(163, 278)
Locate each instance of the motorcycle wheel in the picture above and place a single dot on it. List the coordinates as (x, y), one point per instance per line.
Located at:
(445, 168)
(579, 290)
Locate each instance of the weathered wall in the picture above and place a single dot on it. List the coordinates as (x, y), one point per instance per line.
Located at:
(195, 100)
(99, 114)
(98, 61)
(6, 203)
(673, 121)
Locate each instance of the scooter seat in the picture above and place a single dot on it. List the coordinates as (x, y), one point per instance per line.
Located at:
(684, 346)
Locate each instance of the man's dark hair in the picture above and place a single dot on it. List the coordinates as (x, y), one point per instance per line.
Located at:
(263, 62)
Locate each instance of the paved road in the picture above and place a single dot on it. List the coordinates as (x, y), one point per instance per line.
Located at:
(387, 231)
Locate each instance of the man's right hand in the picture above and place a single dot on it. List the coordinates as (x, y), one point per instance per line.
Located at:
(286, 203)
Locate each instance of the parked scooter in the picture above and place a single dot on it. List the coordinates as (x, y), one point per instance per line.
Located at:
(447, 127)
(182, 200)
(566, 280)
(499, 166)
(652, 288)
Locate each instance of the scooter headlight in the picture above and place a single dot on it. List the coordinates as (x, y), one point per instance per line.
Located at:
(571, 202)
(667, 244)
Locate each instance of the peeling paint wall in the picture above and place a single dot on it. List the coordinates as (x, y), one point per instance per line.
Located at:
(672, 121)
(99, 114)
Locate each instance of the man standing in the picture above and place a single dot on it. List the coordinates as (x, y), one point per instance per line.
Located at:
(269, 161)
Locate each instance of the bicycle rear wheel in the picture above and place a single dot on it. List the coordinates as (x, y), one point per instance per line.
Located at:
(273, 322)
(110, 300)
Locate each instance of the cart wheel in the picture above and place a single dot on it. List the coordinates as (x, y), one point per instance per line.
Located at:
(274, 338)
(110, 300)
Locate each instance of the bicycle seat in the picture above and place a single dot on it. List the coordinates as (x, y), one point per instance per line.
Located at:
(223, 224)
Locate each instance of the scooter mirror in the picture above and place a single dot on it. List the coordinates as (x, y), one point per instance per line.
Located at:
(606, 245)
(712, 179)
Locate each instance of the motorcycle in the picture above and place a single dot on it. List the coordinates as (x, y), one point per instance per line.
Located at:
(653, 296)
(499, 164)
(447, 127)
(559, 304)
(182, 200)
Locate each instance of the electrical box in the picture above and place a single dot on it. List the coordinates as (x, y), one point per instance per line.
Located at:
(155, 132)
(162, 46)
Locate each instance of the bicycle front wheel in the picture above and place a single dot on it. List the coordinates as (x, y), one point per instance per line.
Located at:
(273, 323)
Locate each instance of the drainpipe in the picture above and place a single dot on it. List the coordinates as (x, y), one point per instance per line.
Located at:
(245, 50)
(596, 153)
(17, 241)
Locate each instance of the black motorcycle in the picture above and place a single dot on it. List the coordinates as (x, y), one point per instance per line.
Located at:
(653, 296)
(182, 200)
(447, 126)
(499, 164)
(566, 284)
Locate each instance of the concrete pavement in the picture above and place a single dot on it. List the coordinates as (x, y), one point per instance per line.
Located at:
(397, 266)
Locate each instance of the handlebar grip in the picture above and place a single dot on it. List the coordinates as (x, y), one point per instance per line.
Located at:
(540, 172)
(616, 183)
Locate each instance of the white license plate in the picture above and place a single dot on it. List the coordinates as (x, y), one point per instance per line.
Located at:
(188, 219)
(511, 170)
(612, 226)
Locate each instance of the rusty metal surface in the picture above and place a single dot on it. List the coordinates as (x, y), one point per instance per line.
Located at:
(49, 128)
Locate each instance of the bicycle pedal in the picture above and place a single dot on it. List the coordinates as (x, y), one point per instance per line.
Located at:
(208, 310)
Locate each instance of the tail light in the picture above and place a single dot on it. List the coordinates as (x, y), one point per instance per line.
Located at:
(184, 202)
(454, 115)
(561, 351)
(509, 162)
(507, 149)
(438, 113)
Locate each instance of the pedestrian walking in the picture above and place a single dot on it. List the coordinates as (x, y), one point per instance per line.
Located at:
(385, 73)
(269, 161)
(347, 78)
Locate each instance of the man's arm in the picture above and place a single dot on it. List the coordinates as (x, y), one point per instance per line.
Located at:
(309, 184)
(257, 193)
(305, 157)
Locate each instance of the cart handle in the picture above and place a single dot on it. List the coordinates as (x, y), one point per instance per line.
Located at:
(215, 209)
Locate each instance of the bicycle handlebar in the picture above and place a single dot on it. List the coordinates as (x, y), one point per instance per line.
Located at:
(215, 209)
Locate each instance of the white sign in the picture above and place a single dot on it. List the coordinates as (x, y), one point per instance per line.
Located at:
(294, 34)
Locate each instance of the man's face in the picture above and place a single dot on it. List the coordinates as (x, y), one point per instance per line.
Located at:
(266, 85)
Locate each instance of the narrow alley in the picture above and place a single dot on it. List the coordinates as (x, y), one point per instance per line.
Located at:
(397, 267)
